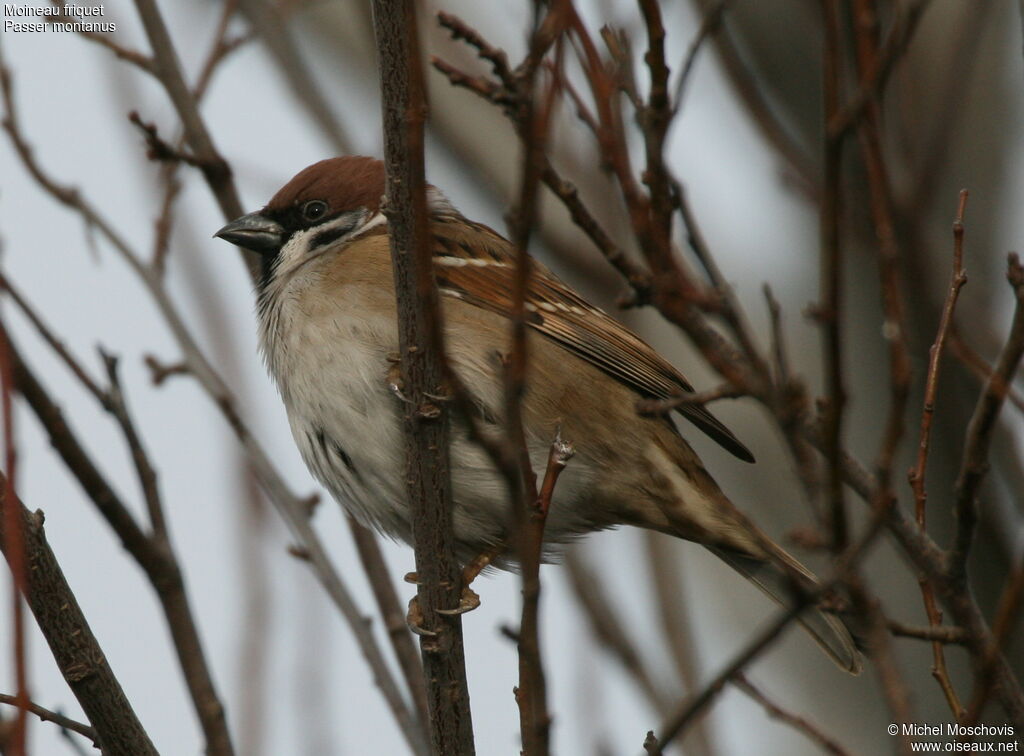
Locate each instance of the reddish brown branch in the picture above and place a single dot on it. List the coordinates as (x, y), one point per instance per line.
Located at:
(159, 150)
(917, 474)
(529, 506)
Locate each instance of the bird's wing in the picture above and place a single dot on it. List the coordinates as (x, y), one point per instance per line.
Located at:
(485, 279)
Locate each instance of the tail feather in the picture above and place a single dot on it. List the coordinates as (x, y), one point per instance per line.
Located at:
(826, 629)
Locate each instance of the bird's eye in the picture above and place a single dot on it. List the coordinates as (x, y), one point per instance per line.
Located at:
(314, 210)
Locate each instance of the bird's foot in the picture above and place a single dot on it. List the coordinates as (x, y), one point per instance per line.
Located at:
(414, 619)
(468, 601)
(394, 377)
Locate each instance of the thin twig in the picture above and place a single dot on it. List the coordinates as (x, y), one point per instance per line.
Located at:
(76, 651)
(689, 709)
(528, 504)
(613, 636)
(979, 430)
(660, 407)
(1006, 616)
(45, 715)
(978, 365)
(106, 40)
(830, 308)
(753, 96)
(798, 723)
(709, 25)
(917, 474)
(937, 634)
(391, 613)
(874, 79)
(153, 552)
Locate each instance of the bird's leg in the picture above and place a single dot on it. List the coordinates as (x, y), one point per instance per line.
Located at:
(468, 601)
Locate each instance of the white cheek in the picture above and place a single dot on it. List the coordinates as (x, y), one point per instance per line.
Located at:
(296, 250)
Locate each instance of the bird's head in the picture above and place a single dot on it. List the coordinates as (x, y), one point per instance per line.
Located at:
(322, 209)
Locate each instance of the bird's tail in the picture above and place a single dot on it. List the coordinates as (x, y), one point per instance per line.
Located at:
(827, 630)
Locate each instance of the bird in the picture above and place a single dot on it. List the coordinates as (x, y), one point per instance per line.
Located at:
(328, 334)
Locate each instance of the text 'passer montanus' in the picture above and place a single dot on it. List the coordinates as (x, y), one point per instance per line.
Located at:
(328, 331)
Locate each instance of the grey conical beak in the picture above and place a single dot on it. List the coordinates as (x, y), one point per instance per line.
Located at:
(255, 232)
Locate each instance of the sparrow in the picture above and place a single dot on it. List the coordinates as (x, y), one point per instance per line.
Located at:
(328, 334)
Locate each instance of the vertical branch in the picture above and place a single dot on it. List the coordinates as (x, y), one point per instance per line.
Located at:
(529, 505)
(14, 547)
(894, 328)
(426, 420)
(829, 308)
(917, 474)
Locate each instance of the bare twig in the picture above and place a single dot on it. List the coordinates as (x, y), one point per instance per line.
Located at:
(75, 649)
(983, 420)
(829, 309)
(656, 407)
(106, 40)
(690, 708)
(1003, 626)
(391, 613)
(894, 328)
(606, 626)
(45, 715)
(937, 634)
(874, 79)
(153, 552)
(979, 366)
(676, 617)
(709, 25)
(759, 106)
(798, 723)
(917, 474)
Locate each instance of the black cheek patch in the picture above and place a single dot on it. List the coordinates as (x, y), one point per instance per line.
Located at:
(326, 237)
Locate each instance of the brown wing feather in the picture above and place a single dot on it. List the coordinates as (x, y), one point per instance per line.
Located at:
(562, 315)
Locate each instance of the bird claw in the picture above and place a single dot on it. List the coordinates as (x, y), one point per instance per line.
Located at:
(394, 380)
(469, 601)
(414, 619)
